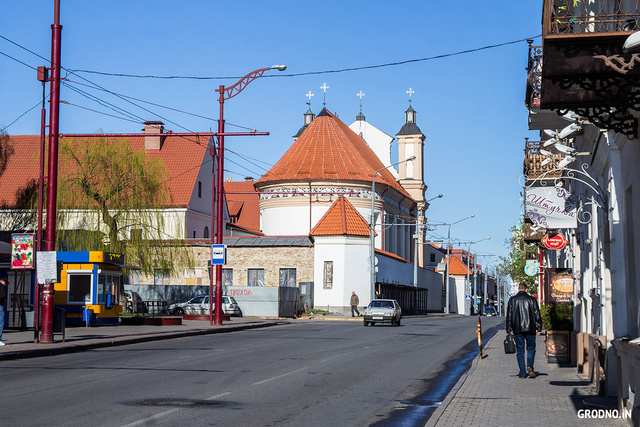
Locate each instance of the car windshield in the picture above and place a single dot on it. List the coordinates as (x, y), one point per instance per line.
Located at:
(381, 304)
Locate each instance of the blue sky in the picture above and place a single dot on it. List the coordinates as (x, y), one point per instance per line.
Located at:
(470, 106)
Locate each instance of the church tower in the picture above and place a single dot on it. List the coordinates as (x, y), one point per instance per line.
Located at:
(411, 143)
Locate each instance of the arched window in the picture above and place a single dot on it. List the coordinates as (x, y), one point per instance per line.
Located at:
(199, 189)
(206, 232)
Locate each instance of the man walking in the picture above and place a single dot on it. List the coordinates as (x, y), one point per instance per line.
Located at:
(3, 298)
(354, 303)
(523, 321)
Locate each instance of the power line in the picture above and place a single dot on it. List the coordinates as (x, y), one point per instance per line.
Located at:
(342, 70)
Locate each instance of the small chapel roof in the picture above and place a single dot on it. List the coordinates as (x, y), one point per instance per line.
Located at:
(342, 219)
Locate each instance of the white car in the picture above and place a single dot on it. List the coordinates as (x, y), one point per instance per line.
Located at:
(383, 311)
(200, 305)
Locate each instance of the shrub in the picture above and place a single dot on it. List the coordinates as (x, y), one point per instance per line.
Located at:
(557, 317)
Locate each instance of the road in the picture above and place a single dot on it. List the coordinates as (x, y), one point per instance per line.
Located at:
(303, 373)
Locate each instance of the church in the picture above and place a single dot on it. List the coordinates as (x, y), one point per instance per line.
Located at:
(318, 199)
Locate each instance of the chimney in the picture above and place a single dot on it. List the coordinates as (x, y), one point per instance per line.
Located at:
(152, 142)
(248, 178)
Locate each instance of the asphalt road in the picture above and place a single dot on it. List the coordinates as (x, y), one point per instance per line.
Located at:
(303, 373)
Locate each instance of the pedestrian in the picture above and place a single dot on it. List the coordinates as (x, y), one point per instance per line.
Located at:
(3, 298)
(524, 322)
(354, 303)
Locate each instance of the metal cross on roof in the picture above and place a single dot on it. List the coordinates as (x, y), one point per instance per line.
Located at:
(324, 88)
(410, 92)
(309, 95)
(360, 95)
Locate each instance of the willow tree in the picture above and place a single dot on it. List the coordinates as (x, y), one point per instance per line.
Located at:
(513, 265)
(112, 198)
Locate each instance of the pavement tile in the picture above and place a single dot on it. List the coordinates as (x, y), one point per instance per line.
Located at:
(491, 393)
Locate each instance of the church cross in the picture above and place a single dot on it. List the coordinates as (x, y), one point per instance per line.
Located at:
(309, 95)
(360, 95)
(324, 88)
(410, 92)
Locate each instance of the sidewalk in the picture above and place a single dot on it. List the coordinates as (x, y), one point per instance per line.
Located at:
(19, 344)
(491, 393)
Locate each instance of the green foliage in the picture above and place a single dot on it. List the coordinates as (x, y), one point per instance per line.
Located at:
(111, 198)
(557, 317)
(6, 151)
(513, 265)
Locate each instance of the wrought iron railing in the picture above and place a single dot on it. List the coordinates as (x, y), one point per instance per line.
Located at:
(534, 76)
(533, 159)
(582, 17)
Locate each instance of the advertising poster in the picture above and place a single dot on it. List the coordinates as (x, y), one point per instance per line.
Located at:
(560, 286)
(22, 251)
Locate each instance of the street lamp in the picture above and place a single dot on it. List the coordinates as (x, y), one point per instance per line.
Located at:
(415, 255)
(446, 307)
(372, 248)
(468, 283)
(226, 93)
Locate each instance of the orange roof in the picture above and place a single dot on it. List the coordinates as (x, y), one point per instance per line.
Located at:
(342, 219)
(390, 255)
(182, 158)
(458, 268)
(242, 202)
(328, 150)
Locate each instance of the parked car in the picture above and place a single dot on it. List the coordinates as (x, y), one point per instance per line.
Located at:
(383, 311)
(490, 311)
(200, 305)
(134, 303)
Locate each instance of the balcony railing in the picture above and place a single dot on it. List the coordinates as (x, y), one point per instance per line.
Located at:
(534, 76)
(590, 17)
(533, 161)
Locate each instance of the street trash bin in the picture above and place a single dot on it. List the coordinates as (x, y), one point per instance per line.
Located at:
(59, 322)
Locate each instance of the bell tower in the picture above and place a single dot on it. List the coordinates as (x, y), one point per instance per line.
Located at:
(411, 143)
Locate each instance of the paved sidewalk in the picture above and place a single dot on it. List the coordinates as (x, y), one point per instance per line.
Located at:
(491, 393)
(20, 344)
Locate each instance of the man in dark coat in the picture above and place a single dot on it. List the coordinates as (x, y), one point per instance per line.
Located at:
(524, 321)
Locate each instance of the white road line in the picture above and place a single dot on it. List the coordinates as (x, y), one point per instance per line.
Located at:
(218, 395)
(153, 417)
(334, 357)
(281, 376)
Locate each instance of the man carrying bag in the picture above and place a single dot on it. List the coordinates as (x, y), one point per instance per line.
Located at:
(524, 321)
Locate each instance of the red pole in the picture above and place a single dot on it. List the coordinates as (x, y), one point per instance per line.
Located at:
(219, 208)
(54, 103)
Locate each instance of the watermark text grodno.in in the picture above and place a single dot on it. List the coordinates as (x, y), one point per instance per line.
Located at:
(604, 413)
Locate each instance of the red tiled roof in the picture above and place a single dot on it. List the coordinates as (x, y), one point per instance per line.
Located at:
(181, 157)
(458, 268)
(342, 219)
(242, 201)
(390, 255)
(328, 150)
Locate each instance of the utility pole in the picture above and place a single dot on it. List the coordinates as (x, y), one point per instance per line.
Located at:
(52, 175)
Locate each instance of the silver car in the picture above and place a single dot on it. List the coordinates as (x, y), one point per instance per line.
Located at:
(383, 311)
(200, 305)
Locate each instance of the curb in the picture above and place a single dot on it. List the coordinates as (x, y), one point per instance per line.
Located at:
(125, 340)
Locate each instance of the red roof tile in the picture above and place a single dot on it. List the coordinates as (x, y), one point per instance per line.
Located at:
(342, 219)
(328, 150)
(243, 202)
(182, 158)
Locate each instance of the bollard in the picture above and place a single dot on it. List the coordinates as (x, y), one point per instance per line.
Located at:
(479, 336)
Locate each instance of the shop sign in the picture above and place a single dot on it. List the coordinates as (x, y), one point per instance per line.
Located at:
(531, 269)
(561, 289)
(551, 207)
(554, 241)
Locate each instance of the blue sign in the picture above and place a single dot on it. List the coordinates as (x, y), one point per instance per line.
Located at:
(531, 269)
(467, 298)
(218, 254)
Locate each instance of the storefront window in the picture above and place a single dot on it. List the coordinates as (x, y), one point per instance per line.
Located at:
(78, 286)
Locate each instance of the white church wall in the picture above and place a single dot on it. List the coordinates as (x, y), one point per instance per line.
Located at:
(350, 273)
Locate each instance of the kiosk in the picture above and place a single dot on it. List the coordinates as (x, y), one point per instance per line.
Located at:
(89, 287)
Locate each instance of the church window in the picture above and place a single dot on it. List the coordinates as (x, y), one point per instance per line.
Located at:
(327, 281)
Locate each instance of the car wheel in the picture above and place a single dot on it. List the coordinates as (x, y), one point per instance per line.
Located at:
(393, 321)
(178, 311)
(398, 322)
(372, 324)
(366, 323)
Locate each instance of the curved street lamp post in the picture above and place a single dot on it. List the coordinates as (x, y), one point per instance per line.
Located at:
(226, 93)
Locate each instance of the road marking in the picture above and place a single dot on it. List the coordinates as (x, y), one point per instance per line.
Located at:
(336, 356)
(219, 395)
(153, 417)
(280, 376)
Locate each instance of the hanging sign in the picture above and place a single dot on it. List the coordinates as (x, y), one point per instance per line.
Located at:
(554, 241)
(22, 251)
(551, 207)
(531, 269)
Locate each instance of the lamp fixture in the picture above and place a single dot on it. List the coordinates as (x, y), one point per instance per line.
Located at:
(565, 148)
(565, 162)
